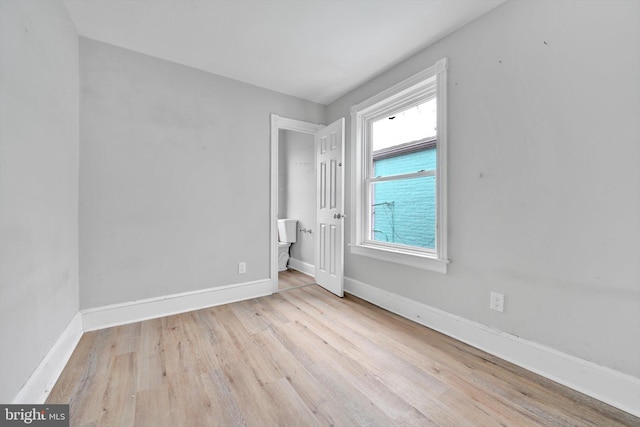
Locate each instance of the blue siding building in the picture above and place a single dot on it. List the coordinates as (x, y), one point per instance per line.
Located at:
(404, 211)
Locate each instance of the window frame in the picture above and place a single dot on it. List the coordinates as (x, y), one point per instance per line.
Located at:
(425, 85)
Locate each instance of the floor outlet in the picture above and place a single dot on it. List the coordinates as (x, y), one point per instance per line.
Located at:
(497, 302)
(242, 267)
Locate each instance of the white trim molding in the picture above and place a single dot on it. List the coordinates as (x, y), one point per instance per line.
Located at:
(421, 87)
(302, 267)
(40, 383)
(417, 260)
(404, 87)
(136, 311)
(602, 383)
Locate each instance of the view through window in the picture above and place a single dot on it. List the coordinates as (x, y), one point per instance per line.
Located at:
(402, 183)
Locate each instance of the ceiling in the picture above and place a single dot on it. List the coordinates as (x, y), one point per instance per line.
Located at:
(312, 49)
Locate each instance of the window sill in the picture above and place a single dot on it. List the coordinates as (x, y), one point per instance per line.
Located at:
(423, 261)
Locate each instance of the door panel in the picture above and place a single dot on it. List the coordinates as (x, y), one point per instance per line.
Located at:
(330, 202)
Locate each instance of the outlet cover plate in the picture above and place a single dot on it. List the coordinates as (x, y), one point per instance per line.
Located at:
(242, 267)
(497, 302)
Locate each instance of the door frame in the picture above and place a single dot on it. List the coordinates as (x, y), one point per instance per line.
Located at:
(280, 123)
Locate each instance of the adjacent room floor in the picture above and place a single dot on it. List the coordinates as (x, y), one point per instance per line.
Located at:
(300, 358)
(290, 279)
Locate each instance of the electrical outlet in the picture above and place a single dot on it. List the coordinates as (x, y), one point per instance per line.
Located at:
(497, 302)
(242, 267)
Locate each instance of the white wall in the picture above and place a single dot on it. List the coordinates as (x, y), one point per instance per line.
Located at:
(544, 183)
(38, 184)
(282, 174)
(174, 176)
(299, 189)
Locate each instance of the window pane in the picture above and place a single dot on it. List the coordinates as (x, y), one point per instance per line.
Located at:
(404, 142)
(404, 212)
(410, 125)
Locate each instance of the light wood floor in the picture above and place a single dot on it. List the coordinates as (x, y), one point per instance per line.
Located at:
(305, 358)
(290, 279)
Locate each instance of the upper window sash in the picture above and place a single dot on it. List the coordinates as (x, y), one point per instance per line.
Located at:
(372, 114)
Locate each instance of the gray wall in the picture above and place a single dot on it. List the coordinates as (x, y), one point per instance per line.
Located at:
(38, 184)
(544, 182)
(174, 176)
(282, 174)
(299, 189)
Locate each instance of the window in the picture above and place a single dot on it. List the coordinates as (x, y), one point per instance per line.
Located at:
(399, 172)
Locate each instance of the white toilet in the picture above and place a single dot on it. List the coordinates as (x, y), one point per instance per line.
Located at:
(287, 234)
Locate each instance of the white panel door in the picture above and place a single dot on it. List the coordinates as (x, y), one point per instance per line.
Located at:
(329, 145)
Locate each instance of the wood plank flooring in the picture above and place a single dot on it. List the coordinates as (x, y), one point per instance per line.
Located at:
(290, 279)
(305, 358)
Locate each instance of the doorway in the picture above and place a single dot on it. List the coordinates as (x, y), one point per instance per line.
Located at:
(296, 202)
(329, 174)
(291, 131)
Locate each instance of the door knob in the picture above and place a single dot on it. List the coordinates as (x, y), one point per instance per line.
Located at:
(338, 216)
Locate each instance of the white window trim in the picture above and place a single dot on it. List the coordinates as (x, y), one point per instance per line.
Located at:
(392, 98)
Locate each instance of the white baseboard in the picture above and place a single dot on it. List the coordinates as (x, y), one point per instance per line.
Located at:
(135, 311)
(303, 267)
(38, 386)
(40, 383)
(605, 384)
